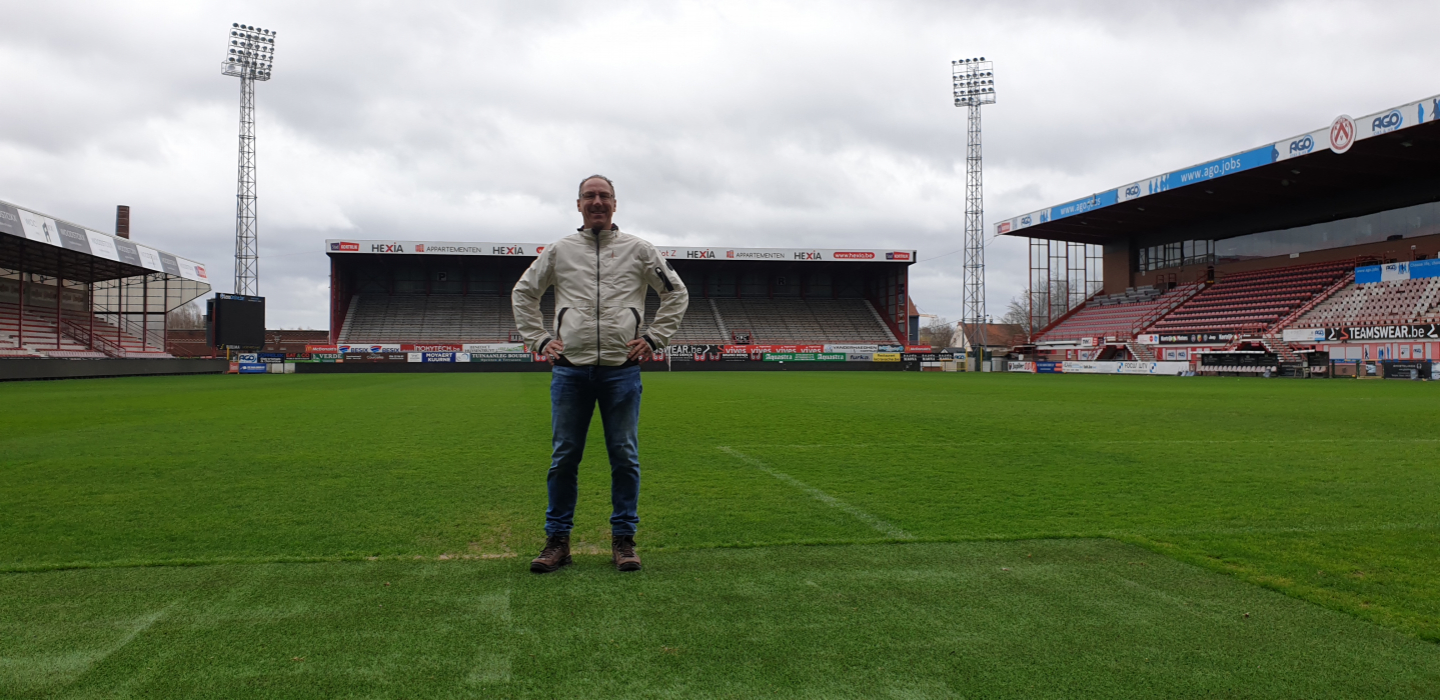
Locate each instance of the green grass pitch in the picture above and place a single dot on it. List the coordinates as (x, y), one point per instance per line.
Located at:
(804, 534)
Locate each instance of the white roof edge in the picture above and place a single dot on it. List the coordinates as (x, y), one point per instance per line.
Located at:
(1381, 122)
(104, 247)
(392, 246)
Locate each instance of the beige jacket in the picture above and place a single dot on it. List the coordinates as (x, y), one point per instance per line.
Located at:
(600, 284)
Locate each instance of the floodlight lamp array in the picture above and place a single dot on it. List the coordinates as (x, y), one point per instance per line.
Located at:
(973, 81)
(251, 52)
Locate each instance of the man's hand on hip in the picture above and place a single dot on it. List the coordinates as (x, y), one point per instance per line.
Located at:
(553, 349)
(639, 349)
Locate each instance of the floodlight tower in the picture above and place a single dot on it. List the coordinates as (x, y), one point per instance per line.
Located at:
(251, 54)
(974, 85)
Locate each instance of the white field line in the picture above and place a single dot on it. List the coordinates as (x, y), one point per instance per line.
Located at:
(1030, 440)
(885, 528)
(1263, 530)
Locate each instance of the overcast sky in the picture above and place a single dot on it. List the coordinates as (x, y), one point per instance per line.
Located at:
(824, 124)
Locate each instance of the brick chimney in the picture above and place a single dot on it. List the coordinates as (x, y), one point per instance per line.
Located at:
(122, 221)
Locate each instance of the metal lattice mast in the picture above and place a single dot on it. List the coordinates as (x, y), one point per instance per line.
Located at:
(247, 254)
(973, 297)
(252, 54)
(974, 85)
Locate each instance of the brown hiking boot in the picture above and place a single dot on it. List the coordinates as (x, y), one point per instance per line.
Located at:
(555, 555)
(622, 548)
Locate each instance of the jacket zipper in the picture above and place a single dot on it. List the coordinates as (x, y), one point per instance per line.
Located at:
(636, 314)
(597, 297)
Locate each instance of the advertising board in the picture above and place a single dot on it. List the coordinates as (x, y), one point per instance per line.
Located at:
(1397, 271)
(885, 357)
(368, 347)
(501, 357)
(855, 348)
(494, 348)
(1405, 370)
(1110, 367)
(762, 349)
(1153, 367)
(1415, 331)
(1302, 335)
(1187, 338)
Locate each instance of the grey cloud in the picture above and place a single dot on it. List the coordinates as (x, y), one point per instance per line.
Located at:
(803, 124)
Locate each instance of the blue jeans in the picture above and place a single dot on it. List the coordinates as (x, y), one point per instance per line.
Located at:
(574, 392)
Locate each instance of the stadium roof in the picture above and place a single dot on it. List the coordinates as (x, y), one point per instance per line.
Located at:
(33, 242)
(530, 250)
(1352, 167)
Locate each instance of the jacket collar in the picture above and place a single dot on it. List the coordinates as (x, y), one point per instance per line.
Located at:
(604, 235)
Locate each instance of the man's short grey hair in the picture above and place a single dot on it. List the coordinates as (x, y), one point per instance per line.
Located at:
(581, 189)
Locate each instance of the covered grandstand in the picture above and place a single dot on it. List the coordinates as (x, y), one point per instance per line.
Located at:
(1258, 250)
(450, 293)
(68, 291)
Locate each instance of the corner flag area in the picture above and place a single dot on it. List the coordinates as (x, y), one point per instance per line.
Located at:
(369, 535)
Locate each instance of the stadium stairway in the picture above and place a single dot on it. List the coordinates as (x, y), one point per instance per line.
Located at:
(1140, 352)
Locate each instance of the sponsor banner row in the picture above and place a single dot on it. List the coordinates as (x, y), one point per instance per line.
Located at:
(846, 348)
(676, 350)
(686, 353)
(508, 249)
(24, 223)
(472, 357)
(1342, 133)
(1126, 367)
(1069, 367)
(1397, 271)
(345, 348)
(1183, 338)
(804, 357)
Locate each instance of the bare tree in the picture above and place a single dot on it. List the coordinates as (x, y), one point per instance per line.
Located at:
(1017, 312)
(937, 332)
(187, 317)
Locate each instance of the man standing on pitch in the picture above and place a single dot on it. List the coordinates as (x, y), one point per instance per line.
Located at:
(600, 277)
